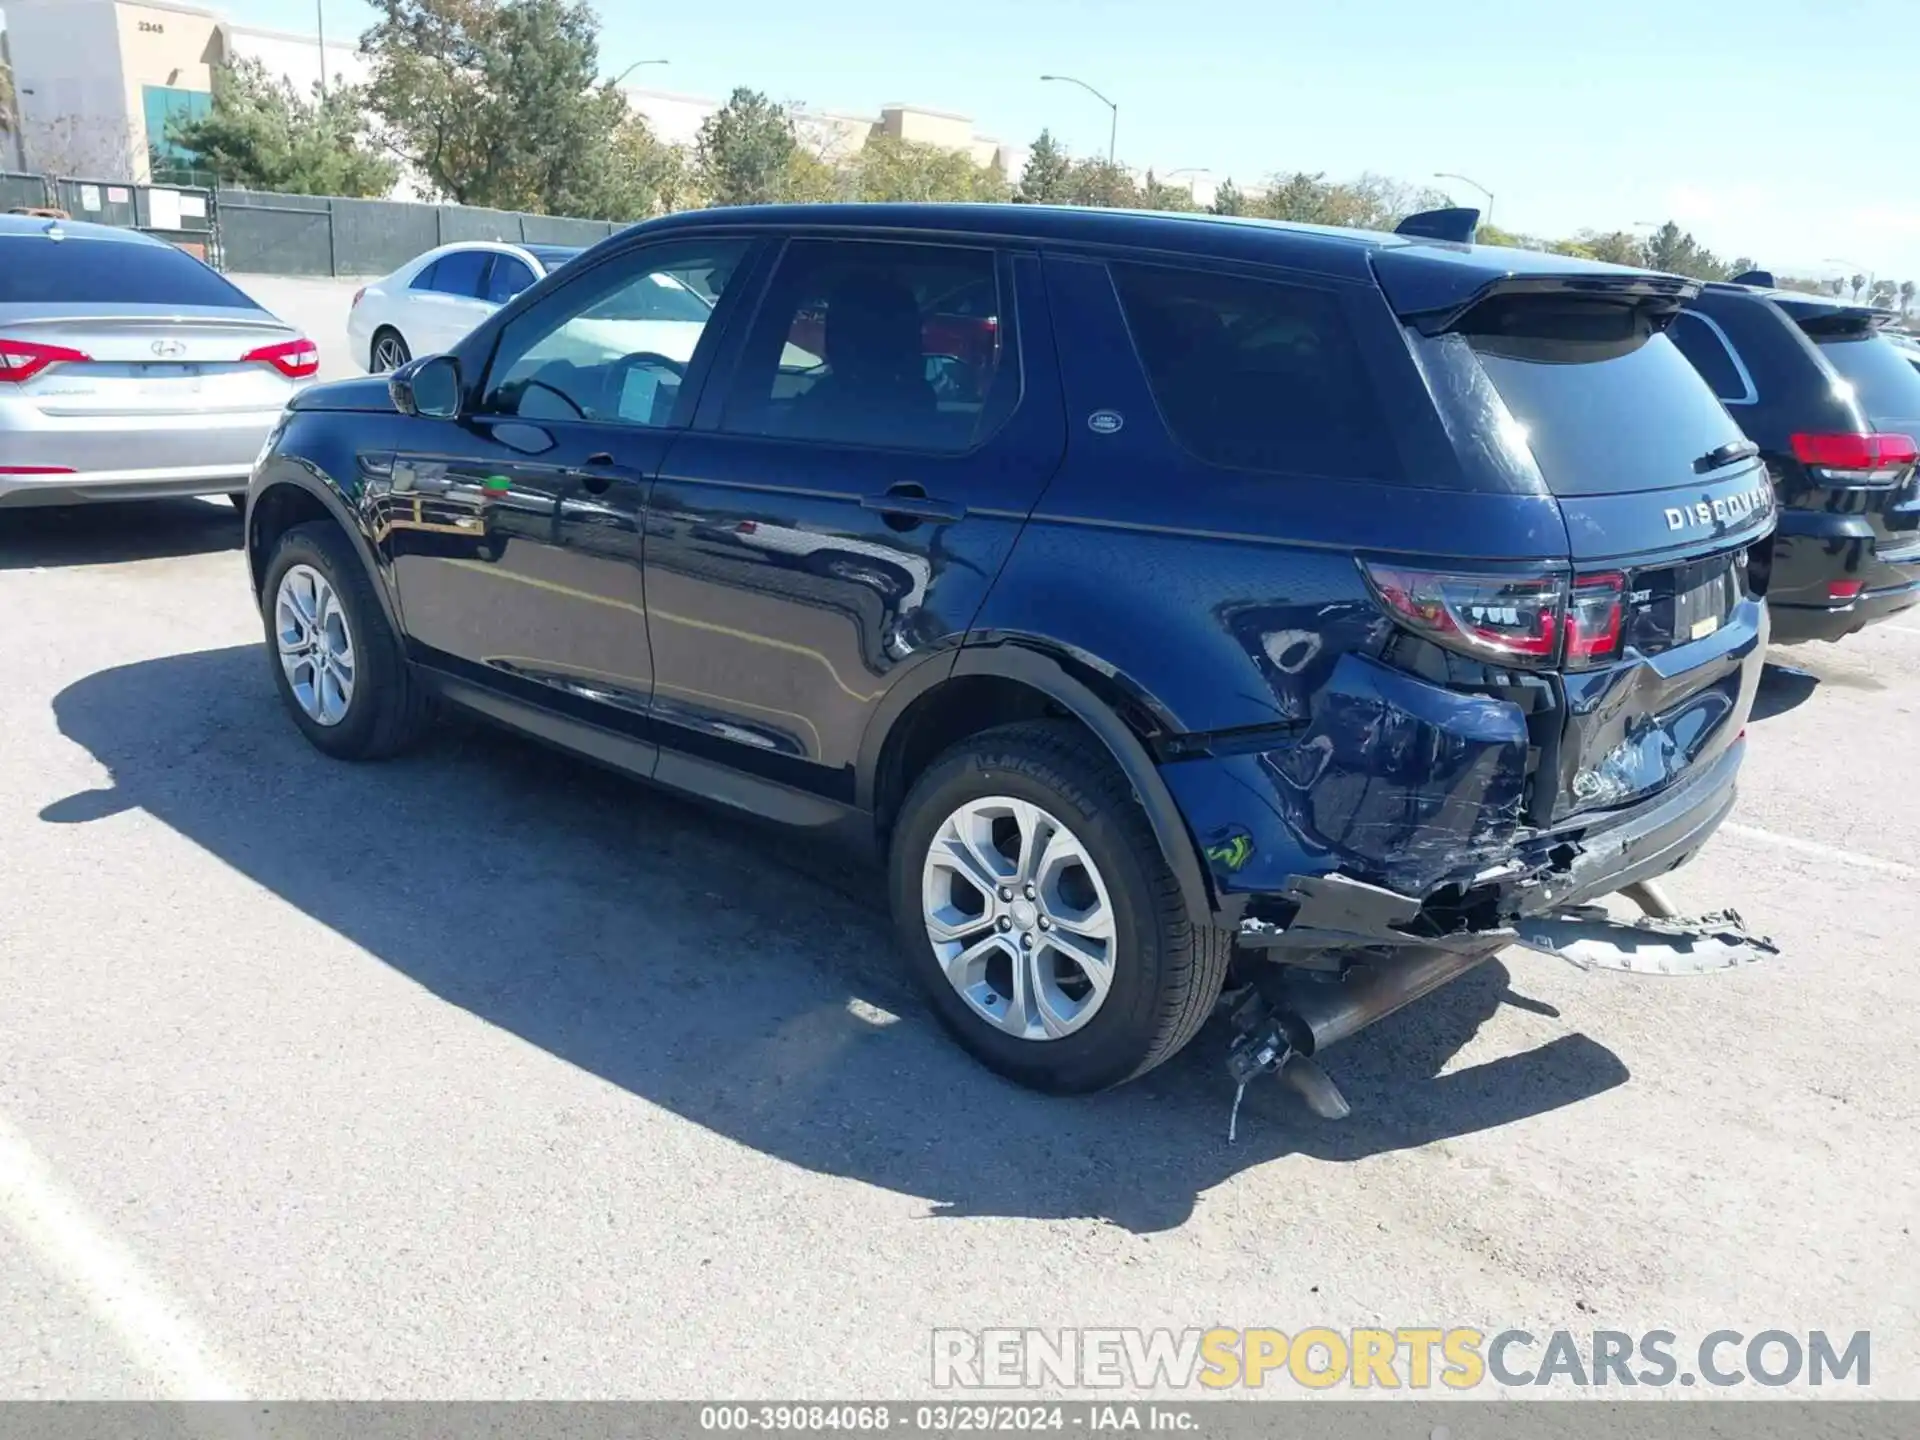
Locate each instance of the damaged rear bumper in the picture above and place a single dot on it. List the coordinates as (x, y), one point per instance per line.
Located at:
(1454, 846)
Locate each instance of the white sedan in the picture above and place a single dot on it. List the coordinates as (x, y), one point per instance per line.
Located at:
(429, 304)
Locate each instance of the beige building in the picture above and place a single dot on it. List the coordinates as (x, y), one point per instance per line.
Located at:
(97, 81)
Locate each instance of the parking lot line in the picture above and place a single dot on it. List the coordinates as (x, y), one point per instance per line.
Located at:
(150, 1325)
(1825, 852)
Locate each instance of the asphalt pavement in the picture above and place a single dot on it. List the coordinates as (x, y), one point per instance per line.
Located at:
(481, 1074)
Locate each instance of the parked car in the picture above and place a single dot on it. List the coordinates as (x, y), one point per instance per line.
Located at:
(1834, 411)
(129, 370)
(434, 299)
(1326, 604)
(1909, 347)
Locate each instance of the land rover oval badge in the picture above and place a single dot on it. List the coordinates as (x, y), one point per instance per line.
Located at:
(1105, 422)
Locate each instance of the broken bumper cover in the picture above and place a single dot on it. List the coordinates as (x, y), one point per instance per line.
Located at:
(1457, 835)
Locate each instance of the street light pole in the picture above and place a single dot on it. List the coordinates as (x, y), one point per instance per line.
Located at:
(320, 26)
(1113, 126)
(633, 67)
(1464, 180)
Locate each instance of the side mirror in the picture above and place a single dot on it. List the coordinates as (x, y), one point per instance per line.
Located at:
(429, 387)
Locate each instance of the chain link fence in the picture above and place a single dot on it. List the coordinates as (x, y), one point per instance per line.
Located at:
(262, 232)
(183, 215)
(274, 234)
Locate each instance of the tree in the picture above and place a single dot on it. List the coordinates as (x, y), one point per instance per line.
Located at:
(1615, 247)
(746, 151)
(496, 102)
(647, 177)
(262, 135)
(1100, 182)
(1046, 180)
(1906, 296)
(1156, 194)
(1883, 293)
(1228, 199)
(1856, 285)
(889, 168)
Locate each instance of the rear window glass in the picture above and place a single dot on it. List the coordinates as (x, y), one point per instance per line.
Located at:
(1255, 374)
(1607, 404)
(37, 271)
(1884, 379)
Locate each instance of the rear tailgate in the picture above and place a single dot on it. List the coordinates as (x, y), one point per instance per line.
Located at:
(137, 361)
(1663, 499)
(1886, 384)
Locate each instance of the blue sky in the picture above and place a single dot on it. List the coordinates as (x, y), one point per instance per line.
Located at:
(1784, 129)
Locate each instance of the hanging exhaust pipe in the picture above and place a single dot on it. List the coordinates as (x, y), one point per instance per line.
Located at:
(1316, 1013)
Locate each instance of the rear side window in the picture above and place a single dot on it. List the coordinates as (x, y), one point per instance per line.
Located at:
(456, 274)
(35, 270)
(1255, 374)
(1703, 344)
(1882, 377)
(1607, 404)
(507, 278)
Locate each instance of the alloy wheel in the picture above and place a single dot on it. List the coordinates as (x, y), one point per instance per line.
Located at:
(1019, 918)
(315, 643)
(389, 354)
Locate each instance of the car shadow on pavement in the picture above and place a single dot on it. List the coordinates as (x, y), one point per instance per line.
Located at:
(730, 977)
(36, 537)
(1783, 687)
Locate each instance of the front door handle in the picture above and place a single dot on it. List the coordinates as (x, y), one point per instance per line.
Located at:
(910, 502)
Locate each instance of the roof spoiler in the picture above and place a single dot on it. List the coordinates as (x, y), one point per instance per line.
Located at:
(1457, 224)
(1762, 279)
(1661, 294)
(1830, 315)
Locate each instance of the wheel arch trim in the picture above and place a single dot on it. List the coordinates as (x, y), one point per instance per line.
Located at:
(281, 473)
(1041, 672)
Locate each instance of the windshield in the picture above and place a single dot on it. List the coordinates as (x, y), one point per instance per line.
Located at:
(1882, 377)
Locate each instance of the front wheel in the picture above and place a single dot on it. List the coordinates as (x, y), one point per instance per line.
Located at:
(1038, 913)
(336, 662)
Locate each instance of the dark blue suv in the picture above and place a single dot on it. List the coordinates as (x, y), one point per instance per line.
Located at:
(1177, 605)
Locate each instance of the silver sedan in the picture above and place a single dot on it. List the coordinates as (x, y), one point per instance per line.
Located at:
(129, 370)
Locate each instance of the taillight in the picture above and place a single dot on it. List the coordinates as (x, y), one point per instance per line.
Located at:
(1510, 619)
(296, 359)
(1527, 621)
(1863, 457)
(20, 361)
(36, 470)
(1593, 618)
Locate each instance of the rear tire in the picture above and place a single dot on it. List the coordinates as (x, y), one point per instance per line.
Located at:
(387, 352)
(1164, 971)
(369, 706)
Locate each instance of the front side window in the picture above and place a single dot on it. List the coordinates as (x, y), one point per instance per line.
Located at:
(865, 343)
(1255, 374)
(616, 343)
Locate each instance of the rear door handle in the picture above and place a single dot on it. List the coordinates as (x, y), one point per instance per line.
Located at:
(914, 504)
